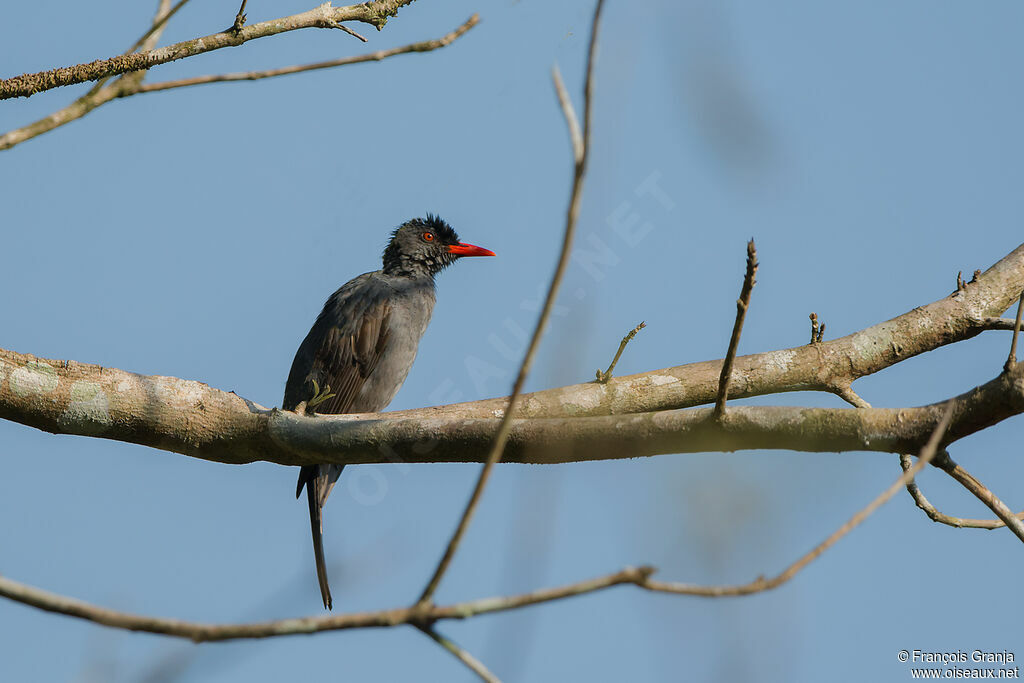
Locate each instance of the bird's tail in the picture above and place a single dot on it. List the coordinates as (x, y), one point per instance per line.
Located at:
(318, 481)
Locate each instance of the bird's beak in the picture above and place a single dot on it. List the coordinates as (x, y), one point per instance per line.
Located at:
(463, 249)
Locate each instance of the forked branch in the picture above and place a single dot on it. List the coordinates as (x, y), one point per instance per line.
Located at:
(324, 16)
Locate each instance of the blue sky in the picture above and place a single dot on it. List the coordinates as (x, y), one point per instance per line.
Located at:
(872, 150)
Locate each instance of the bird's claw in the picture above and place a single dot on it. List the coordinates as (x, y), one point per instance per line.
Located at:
(318, 396)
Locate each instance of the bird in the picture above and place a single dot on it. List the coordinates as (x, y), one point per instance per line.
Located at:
(363, 343)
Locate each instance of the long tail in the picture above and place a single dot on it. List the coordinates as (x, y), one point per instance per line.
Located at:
(318, 485)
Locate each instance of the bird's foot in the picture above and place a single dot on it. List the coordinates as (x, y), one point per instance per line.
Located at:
(318, 396)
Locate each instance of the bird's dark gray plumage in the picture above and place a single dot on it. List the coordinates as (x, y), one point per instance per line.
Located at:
(364, 342)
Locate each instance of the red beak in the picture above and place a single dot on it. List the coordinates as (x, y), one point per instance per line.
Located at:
(463, 249)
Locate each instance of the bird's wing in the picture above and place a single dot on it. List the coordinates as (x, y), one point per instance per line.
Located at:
(349, 355)
(342, 348)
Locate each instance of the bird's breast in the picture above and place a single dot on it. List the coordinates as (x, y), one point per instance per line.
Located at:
(408, 319)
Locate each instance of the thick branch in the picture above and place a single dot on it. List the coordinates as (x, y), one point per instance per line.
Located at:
(324, 16)
(190, 417)
(193, 419)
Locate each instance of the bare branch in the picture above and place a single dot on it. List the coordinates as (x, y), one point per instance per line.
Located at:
(99, 94)
(847, 393)
(580, 146)
(603, 377)
(474, 664)
(575, 135)
(983, 494)
(127, 88)
(942, 518)
(424, 613)
(763, 584)
(423, 46)
(349, 31)
(149, 39)
(1012, 359)
(999, 323)
(129, 397)
(741, 312)
(324, 16)
(200, 632)
(240, 17)
(817, 332)
(194, 419)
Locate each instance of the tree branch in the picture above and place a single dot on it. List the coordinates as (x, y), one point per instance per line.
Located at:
(324, 16)
(817, 331)
(423, 46)
(153, 410)
(131, 84)
(1012, 358)
(418, 614)
(471, 662)
(936, 516)
(193, 419)
(760, 584)
(850, 396)
(983, 494)
(603, 377)
(742, 304)
(423, 615)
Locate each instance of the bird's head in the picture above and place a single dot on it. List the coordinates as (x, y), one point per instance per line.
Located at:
(425, 246)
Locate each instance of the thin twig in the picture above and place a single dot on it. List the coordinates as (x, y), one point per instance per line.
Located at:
(349, 31)
(936, 516)
(324, 16)
(603, 377)
(741, 312)
(147, 41)
(422, 46)
(240, 17)
(762, 584)
(1012, 359)
(816, 331)
(201, 632)
(580, 143)
(474, 664)
(100, 93)
(996, 323)
(846, 392)
(983, 494)
(158, 25)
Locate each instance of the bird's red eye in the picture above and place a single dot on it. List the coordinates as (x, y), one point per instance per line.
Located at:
(428, 237)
